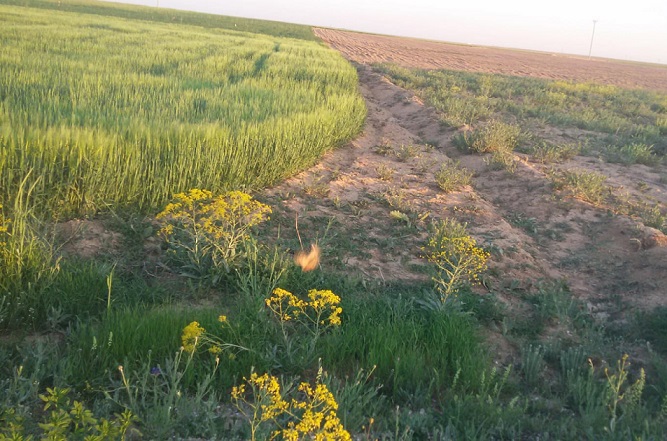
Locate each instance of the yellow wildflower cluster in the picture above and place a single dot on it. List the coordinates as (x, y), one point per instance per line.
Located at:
(322, 309)
(267, 389)
(194, 336)
(191, 336)
(323, 302)
(205, 226)
(311, 415)
(457, 258)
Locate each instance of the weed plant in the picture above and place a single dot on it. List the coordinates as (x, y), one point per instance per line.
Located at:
(452, 177)
(456, 257)
(385, 173)
(586, 185)
(636, 153)
(67, 420)
(547, 153)
(532, 364)
(312, 414)
(495, 136)
(502, 160)
(406, 152)
(204, 232)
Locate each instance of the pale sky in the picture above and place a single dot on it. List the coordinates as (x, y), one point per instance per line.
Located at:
(630, 30)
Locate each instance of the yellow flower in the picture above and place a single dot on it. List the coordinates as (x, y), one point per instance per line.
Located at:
(191, 335)
(222, 319)
(309, 415)
(238, 391)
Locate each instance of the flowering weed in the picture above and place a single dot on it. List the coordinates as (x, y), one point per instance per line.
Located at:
(317, 314)
(203, 231)
(195, 337)
(456, 256)
(310, 412)
(303, 322)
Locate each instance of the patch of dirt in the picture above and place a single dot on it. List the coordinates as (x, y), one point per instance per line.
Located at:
(87, 238)
(425, 54)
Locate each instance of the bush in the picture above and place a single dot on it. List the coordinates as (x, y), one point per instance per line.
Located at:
(636, 153)
(582, 184)
(451, 177)
(548, 153)
(495, 136)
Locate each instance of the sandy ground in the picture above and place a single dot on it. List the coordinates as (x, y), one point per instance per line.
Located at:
(368, 48)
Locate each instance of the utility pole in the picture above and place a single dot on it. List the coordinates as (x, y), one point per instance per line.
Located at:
(590, 49)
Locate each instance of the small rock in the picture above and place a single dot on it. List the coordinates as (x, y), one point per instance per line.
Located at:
(653, 238)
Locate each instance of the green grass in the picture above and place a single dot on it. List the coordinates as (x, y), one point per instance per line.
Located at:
(635, 153)
(414, 350)
(652, 326)
(123, 112)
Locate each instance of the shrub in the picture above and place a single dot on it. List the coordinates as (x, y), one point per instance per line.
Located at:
(495, 136)
(636, 153)
(501, 160)
(582, 184)
(451, 177)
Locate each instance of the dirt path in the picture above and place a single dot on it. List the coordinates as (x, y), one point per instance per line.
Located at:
(534, 233)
